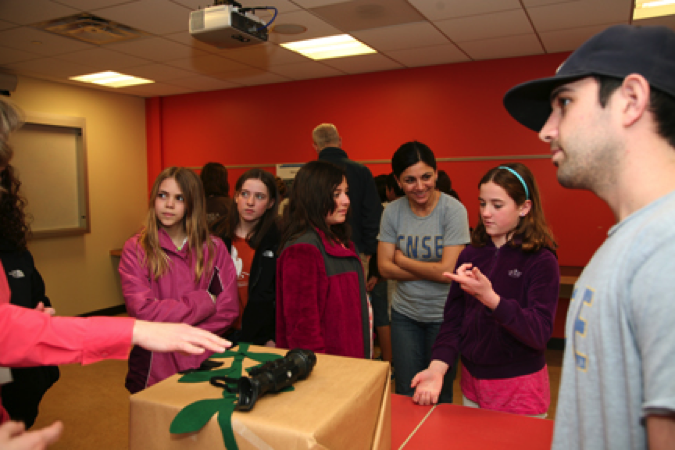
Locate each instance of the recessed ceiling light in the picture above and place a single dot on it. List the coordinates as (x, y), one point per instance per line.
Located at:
(111, 79)
(329, 47)
(644, 9)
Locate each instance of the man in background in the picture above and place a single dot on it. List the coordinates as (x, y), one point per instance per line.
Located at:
(365, 201)
(609, 118)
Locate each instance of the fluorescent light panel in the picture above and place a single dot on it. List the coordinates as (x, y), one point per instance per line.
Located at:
(111, 79)
(644, 9)
(329, 47)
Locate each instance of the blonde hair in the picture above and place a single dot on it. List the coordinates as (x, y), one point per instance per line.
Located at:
(325, 135)
(194, 224)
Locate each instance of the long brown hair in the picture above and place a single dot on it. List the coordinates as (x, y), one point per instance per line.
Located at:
(194, 224)
(225, 227)
(310, 202)
(532, 232)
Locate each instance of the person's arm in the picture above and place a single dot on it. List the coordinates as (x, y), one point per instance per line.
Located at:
(388, 268)
(259, 317)
(429, 382)
(141, 302)
(431, 271)
(371, 213)
(532, 323)
(529, 320)
(30, 338)
(13, 436)
(661, 432)
(301, 270)
(224, 276)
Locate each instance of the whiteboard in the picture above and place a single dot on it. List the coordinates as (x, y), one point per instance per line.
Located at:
(50, 159)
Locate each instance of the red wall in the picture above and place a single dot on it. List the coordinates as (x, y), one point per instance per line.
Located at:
(456, 109)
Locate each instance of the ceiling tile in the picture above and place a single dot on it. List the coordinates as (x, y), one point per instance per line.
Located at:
(92, 5)
(398, 37)
(207, 64)
(306, 70)
(6, 25)
(568, 40)
(363, 63)
(429, 56)
(184, 37)
(505, 47)
(155, 90)
(103, 59)
(158, 72)
(10, 55)
(580, 14)
(667, 21)
(156, 49)
(25, 12)
(51, 66)
(264, 56)
(251, 77)
(447, 9)
(153, 16)
(365, 14)
(530, 3)
(317, 3)
(204, 83)
(41, 42)
(315, 27)
(486, 26)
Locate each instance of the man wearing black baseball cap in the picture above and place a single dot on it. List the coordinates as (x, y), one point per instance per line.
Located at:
(608, 115)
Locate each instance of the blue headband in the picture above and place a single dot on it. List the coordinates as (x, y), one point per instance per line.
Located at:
(527, 191)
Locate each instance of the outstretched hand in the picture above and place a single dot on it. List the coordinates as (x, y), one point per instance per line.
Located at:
(428, 383)
(176, 337)
(13, 436)
(473, 282)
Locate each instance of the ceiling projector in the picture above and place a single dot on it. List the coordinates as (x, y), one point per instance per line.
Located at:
(227, 26)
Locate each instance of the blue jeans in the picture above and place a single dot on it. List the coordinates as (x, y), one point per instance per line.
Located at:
(411, 343)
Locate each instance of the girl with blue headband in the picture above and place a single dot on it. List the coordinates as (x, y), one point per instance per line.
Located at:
(501, 307)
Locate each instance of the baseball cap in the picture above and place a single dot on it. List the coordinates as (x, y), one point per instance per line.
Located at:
(617, 52)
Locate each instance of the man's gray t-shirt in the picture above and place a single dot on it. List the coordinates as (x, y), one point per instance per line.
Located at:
(619, 363)
(423, 239)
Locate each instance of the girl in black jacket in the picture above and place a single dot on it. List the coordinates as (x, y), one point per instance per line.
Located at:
(252, 237)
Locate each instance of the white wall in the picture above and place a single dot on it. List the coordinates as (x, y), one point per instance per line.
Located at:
(79, 272)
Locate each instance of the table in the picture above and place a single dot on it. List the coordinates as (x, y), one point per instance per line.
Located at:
(461, 427)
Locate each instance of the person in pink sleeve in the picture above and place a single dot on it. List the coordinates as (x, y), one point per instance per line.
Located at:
(174, 271)
(30, 337)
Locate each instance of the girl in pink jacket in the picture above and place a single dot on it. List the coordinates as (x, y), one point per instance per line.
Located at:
(174, 271)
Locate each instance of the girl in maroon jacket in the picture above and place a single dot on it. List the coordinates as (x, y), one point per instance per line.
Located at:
(500, 309)
(321, 291)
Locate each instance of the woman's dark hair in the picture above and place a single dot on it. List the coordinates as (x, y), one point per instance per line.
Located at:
(444, 184)
(13, 226)
(393, 184)
(381, 184)
(410, 154)
(225, 227)
(214, 179)
(532, 232)
(311, 200)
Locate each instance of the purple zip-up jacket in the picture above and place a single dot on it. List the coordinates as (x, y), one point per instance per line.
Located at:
(175, 297)
(509, 341)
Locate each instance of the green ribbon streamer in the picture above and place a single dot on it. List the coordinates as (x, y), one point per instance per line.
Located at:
(195, 415)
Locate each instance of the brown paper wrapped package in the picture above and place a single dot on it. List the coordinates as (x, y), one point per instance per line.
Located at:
(343, 404)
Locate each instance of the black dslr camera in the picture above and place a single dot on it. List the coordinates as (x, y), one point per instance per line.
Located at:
(270, 377)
